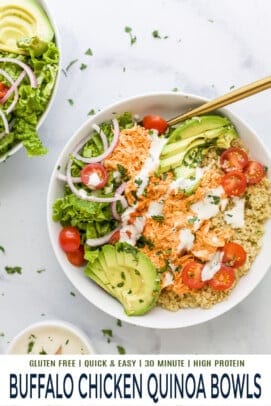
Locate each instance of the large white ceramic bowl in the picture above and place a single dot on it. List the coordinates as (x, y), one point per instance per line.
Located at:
(17, 147)
(167, 105)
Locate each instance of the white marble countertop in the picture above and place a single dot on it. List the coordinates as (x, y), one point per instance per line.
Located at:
(211, 46)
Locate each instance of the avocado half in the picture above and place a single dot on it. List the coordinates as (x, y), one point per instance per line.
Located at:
(22, 19)
(128, 275)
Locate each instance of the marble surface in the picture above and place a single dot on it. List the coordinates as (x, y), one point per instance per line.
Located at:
(211, 46)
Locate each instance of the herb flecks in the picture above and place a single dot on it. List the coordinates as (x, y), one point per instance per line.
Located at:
(192, 220)
(70, 65)
(91, 112)
(71, 102)
(11, 270)
(30, 346)
(89, 52)
(83, 66)
(108, 334)
(157, 35)
(129, 31)
(41, 270)
(121, 350)
(215, 199)
(72, 294)
(160, 218)
(2, 249)
(119, 323)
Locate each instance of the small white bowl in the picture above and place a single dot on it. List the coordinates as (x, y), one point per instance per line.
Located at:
(167, 105)
(17, 147)
(49, 336)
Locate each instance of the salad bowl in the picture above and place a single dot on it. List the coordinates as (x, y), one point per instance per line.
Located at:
(166, 105)
(43, 116)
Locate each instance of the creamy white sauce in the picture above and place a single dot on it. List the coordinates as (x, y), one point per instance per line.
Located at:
(236, 216)
(188, 183)
(93, 179)
(186, 240)
(82, 193)
(151, 163)
(130, 233)
(155, 209)
(167, 279)
(212, 267)
(50, 339)
(209, 206)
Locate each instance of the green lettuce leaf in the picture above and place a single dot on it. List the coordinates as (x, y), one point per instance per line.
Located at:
(32, 102)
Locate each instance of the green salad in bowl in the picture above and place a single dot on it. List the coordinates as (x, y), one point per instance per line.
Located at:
(29, 65)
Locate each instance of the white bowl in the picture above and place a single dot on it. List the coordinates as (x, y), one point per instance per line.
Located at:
(18, 146)
(167, 105)
(51, 331)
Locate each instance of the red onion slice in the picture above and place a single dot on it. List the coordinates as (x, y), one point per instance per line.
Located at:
(82, 194)
(5, 122)
(106, 153)
(119, 191)
(25, 67)
(13, 89)
(96, 242)
(102, 135)
(60, 176)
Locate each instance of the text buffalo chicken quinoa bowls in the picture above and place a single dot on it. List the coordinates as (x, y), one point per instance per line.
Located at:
(158, 215)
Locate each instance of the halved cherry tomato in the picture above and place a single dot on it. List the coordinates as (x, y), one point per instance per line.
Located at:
(223, 279)
(94, 176)
(254, 172)
(233, 159)
(153, 122)
(115, 237)
(234, 255)
(3, 90)
(69, 239)
(234, 183)
(191, 275)
(76, 258)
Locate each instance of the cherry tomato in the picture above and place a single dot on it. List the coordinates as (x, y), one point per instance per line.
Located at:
(115, 237)
(233, 159)
(94, 176)
(3, 90)
(223, 279)
(234, 183)
(254, 172)
(69, 239)
(234, 254)
(191, 275)
(153, 122)
(76, 258)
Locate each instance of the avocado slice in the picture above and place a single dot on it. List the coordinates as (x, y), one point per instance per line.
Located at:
(179, 146)
(174, 161)
(22, 19)
(224, 141)
(197, 125)
(128, 275)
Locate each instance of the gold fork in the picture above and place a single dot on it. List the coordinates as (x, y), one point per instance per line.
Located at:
(228, 98)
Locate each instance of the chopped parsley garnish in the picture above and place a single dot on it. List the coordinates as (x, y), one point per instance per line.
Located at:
(30, 346)
(89, 52)
(123, 275)
(58, 167)
(265, 168)
(159, 252)
(119, 323)
(120, 285)
(64, 72)
(228, 214)
(129, 292)
(232, 87)
(2, 249)
(141, 301)
(108, 333)
(83, 66)
(157, 35)
(124, 69)
(11, 270)
(121, 350)
(216, 199)
(142, 241)
(91, 112)
(192, 220)
(138, 181)
(129, 30)
(41, 270)
(43, 352)
(72, 293)
(165, 267)
(160, 218)
(2, 334)
(123, 171)
(137, 272)
(71, 102)
(210, 20)
(67, 342)
(70, 65)
(175, 89)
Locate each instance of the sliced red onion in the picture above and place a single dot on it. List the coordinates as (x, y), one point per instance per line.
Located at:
(96, 242)
(60, 176)
(119, 191)
(106, 153)
(102, 135)
(82, 194)
(25, 67)
(5, 122)
(13, 89)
